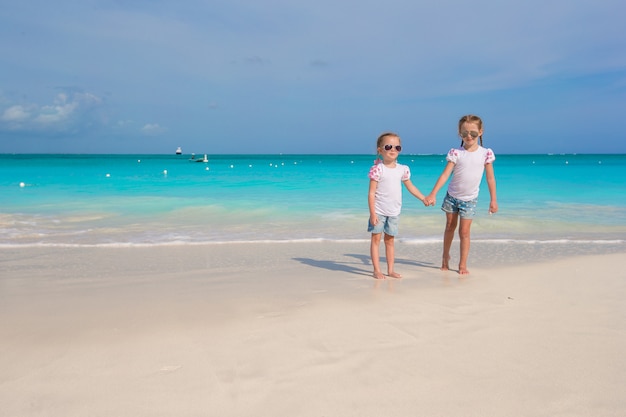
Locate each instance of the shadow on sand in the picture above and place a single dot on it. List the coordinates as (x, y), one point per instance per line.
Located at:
(357, 267)
(334, 266)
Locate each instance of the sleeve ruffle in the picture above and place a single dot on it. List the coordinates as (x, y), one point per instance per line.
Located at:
(407, 174)
(375, 172)
(453, 155)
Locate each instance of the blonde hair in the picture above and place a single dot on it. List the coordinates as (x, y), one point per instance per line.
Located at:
(381, 139)
(471, 118)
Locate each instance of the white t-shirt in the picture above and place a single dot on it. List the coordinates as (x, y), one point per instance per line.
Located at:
(468, 171)
(388, 199)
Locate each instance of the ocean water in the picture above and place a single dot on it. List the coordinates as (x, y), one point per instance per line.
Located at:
(126, 200)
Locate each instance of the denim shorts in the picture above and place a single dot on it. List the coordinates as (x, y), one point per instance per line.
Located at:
(466, 209)
(387, 224)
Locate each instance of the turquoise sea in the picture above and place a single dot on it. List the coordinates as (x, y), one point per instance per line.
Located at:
(125, 200)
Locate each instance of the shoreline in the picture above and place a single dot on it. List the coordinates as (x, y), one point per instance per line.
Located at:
(484, 252)
(303, 329)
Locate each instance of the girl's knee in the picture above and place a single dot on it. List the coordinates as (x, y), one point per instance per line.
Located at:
(464, 234)
(464, 229)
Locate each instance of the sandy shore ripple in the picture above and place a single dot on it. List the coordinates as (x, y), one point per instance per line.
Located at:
(303, 330)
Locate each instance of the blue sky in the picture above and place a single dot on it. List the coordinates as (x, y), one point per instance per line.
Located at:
(278, 76)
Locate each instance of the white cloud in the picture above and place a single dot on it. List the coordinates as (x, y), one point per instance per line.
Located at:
(67, 111)
(58, 112)
(15, 114)
(152, 129)
(124, 123)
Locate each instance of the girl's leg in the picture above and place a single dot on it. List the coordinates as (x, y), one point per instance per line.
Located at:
(448, 236)
(464, 236)
(391, 256)
(375, 254)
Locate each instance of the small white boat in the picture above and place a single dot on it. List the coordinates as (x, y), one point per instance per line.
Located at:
(179, 151)
(205, 159)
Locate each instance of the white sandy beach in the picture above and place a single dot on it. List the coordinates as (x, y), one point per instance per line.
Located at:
(303, 330)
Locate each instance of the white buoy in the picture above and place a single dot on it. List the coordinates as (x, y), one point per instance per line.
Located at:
(206, 169)
(22, 185)
(165, 172)
(232, 166)
(108, 175)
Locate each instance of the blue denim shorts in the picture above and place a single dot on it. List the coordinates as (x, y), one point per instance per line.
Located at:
(387, 224)
(466, 209)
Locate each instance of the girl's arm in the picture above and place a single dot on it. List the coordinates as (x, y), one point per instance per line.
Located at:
(491, 184)
(414, 190)
(432, 197)
(371, 200)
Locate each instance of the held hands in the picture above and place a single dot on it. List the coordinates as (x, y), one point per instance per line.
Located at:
(429, 200)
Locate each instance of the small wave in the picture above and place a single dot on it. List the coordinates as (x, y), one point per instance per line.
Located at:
(553, 241)
(173, 243)
(415, 242)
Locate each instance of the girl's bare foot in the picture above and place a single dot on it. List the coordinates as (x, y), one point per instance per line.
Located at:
(394, 275)
(378, 275)
(463, 270)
